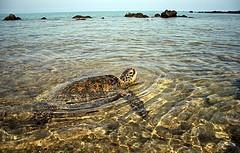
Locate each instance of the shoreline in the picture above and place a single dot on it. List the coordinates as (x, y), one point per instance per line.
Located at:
(217, 12)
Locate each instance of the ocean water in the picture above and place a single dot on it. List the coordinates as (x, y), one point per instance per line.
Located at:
(188, 69)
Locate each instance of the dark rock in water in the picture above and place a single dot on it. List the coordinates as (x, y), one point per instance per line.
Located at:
(11, 17)
(102, 18)
(80, 17)
(224, 12)
(190, 11)
(182, 16)
(44, 18)
(136, 15)
(157, 15)
(169, 14)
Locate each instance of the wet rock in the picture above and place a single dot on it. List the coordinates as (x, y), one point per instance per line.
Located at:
(169, 14)
(157, 15)
(11, 17)
(80, 17)
(212, 99)
(111, 126)
(182, 16)
(102, 17)
(219, 118)
(190, 11)
(136, 15)
(44, 18)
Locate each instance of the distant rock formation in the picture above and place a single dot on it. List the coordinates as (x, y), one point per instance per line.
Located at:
(182, 16)
(11, 17)
(226, 12)
(44, 18)
(157, 15)
(80, 17)
(136, 15)
(190, 11)
(169, 14)
(102, 17)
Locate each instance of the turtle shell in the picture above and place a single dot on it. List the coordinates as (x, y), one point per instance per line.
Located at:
(89, 89)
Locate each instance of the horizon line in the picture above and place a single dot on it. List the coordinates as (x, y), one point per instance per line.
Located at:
(20, 12)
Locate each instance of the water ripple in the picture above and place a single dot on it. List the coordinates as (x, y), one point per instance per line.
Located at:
(188, 74)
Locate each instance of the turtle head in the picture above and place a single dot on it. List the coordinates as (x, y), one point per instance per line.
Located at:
(128, 77)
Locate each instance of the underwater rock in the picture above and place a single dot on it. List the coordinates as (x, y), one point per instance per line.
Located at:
(234, 132)
(169, 14)
(213, 99)
(136, 15)
(11, 17)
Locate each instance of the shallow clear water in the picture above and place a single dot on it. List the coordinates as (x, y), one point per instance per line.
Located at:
(188, 69)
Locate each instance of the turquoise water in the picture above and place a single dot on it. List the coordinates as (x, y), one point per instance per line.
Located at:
(189, 69)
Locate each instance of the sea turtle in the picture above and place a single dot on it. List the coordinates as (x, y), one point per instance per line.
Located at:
(95, 91)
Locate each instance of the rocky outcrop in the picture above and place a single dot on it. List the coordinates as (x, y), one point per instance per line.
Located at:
(44, 18)
(136, 15)
(169, 14)
(157, 15)
(80, 17)
(11, 17)
(223, 12)
(182, 16)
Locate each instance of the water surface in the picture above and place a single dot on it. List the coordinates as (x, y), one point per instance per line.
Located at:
(188, 69)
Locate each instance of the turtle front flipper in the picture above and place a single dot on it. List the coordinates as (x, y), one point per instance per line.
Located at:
(136, 104)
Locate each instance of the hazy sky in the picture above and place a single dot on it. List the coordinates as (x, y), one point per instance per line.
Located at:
(19, 6)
